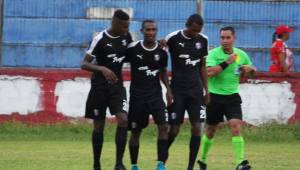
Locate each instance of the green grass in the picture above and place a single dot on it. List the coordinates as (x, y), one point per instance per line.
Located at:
(68, 147)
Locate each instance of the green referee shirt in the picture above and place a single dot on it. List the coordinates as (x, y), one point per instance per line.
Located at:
(227, 82)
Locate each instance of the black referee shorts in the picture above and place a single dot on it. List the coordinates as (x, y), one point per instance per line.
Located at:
(223, 105)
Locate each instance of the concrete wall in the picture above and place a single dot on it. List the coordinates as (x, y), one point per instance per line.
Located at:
(35, 96)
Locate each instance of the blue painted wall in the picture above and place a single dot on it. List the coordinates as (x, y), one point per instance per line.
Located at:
(55, 33)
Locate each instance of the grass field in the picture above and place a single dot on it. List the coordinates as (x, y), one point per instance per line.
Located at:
(68, 147)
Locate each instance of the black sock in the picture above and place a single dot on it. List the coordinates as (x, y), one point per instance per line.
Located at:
(162, 149)
(134, 153)
(171, 139)
(194, 149)
(120, 140)
(97, 142)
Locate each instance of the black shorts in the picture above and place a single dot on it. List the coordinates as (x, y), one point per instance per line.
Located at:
(190, 100)
(99, 98)
(223, 105)
(141, 109)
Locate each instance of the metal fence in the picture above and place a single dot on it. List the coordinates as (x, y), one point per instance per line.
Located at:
(55, 33)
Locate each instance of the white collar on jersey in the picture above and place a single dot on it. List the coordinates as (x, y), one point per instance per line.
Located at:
(110, 36)
(149, 49)
(186, 37)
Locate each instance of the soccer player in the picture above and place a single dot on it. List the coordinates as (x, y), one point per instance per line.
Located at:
(104, 58)
(188, 49)
(148, 64)
(225, 65)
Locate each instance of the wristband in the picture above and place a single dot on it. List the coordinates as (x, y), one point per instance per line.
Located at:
(223, 65)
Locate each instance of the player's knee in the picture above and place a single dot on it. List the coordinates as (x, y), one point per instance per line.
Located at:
(163, 128)
(174, 131)
(122, 120)
(196, 129)
(210, 131)
(235, 130)
(235, 127)
(99, 126)
(163, 131)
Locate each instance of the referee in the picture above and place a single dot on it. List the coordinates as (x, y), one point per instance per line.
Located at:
(225, 64)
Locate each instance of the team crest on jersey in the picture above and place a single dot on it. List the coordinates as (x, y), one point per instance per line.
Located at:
(124, 42)
(156, 57)
(198, 45)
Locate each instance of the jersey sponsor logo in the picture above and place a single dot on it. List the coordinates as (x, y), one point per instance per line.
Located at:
(181, 44)
(109, 44)
(111, 55)
(198, 45)
(118, 60)
(156, 57)
(192, 62)
(139, 56)
(124, 42)
(184, 56)
(148, 71)
(152, 73)
(115, 58)
(143, 68)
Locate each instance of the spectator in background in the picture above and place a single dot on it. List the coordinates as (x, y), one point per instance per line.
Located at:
(281, 56)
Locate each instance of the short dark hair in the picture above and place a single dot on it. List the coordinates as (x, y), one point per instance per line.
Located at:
(195, 18)
(147, 21)
(121, 15)
(228, 28)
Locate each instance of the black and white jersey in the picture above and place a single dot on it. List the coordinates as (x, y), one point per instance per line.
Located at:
(146, 65)
(109, 51)
(186, 54)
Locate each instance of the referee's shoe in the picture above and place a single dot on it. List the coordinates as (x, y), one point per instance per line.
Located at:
(202, 165)
(243, 166)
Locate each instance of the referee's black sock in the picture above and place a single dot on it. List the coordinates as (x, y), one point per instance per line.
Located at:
(120, 140)
(97, 142)
(162, 149)
(134, 153)
(194, 149)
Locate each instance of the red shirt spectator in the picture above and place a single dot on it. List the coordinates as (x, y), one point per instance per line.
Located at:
(281, 56)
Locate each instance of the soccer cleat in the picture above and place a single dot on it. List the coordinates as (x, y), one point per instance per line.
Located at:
(134, 167)
(160, 166)
(243, 166)
(120, 167)
(202, 165)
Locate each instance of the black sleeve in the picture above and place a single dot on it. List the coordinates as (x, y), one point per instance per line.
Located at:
(170, 42)
(129, 38)
(205, 47)
(164, 59)
(94, 47)
(128, 55)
